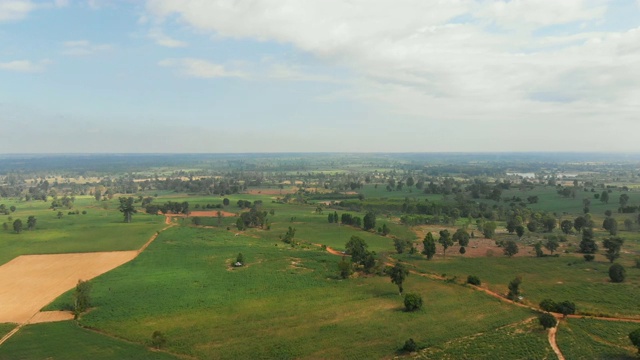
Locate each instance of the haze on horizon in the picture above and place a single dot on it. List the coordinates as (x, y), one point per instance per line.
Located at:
(214, 76)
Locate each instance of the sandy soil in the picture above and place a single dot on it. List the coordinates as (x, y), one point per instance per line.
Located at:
(51, 316)
(29, 282)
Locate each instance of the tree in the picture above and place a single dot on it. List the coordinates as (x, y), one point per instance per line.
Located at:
(330, 218)
(240, 224)
(81, 297)
(519, 231)
(17, 226)
(611, 225)
(345, 268)
(547, 321)
(12, 208)
(489, 229)
(566, 308)
(126, 208)
(98, 195)
(357, 248)
(634, 336)
(579, 223)
(510, 248)
(31, 222)
(225, 202)
(587, 244)
(461, 237)
(566, 226)
(552, 245)
(617, 273)
(59, 215)
(412, 302)
(240, 259)
(624, 199)
(628, 224)
(473, 280)
(548, 305)
(613, 246)
(548, 223)
(398, 273)
(410, 346)
(385, 230)
(514, 289)
(401, 245)
(445, 240)
(158, 340)
(429, 244)
(604, 197)
(369, 221)
(538, 248)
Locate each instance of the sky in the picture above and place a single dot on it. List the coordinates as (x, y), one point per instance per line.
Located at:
(234, 76)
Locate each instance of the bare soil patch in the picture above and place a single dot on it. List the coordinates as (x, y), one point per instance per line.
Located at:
(271, 191)
(51, 316)
(29, 282)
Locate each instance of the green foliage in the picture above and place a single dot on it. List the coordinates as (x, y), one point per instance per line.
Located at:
(81, 297)
(445, 240)
(31, 222)
(548, 305)
(401, 245)
(617, 273)
(538, 248)
(634, 336)
(17, 226)
(240, 259)
(473, 280)
(514, 289)
(510, 248)
(398, 273)
(412, 302)
(410, 346)
(126, 208)
(613, 246)
(589, 257)
(552, 245)
(357, 248)
(158, 339)
(287, 238)
(588, 244)
(369, 221)
(461, 237)
(593, 339)
(489, 229)
(344, 268)
(547, 320)
(519, 231)
(566, 226)
(429, 245)
(566, 308)
(240, 224)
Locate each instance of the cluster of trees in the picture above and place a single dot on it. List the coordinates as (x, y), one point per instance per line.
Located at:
(255, 217)
(361, 258)
(172, 207)
(65, 201)
(565, 307)
(4, 210)
(287, 238)
(18, 225)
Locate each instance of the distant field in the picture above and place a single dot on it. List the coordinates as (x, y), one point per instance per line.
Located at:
(67, 341)
(289, 300)
(99, 229)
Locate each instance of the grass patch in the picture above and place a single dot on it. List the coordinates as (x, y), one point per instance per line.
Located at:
(596, 339)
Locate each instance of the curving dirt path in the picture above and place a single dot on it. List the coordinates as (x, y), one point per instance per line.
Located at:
(553, 343)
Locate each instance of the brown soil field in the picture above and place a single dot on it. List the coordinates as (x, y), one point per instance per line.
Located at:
(271, 191)
(29, 282)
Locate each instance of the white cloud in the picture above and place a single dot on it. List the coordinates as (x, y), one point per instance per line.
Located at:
(200, 68)
(25, 66)
(83, 48)
(163, 40)
(11, 10)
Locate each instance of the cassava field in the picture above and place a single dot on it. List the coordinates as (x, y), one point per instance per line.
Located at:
(293, 258)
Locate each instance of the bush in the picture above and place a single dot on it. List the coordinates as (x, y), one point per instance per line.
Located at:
(412, 302)
(548, 305)
(589, 257)
(617, 273)
(473, 280)
(547, 320)
(158, 340)
(410, 346)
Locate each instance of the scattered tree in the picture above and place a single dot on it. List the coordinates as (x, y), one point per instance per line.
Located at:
(510, 248)
(410, 346)
(398, 273)
(604, 197)
(552, 245)
(126, 208)
(369, 221)
(158, 340)
(566, 308)
(634, 336)
(613, 246)
(17, 226)
(81, 297)
(566, 226)
(445, 240)
(520, 231)
(345, 268)
(240, 259)
(617, 273)
(489, 229)
(587, 244)
(514, 289)
(429, 244)
(473, 280)
(31, 222)
(547, 321)
(412, 302)
(461, 237)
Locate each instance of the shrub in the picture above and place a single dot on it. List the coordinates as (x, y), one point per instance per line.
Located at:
(412, 302)
(410, 346)
(158, 340)
(617, 273)
(589, 257)
(547, 320)
(473, 280)
(548, 305)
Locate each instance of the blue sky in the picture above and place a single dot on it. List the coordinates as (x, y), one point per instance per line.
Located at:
(80, 76)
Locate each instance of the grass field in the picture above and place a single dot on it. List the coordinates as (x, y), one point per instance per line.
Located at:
(5, 329)
(67, 341)
(595, 339)
(99, 229)
(286, 303)
(526, 340)
(560, 278)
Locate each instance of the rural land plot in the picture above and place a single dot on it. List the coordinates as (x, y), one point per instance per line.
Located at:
(30, 282)
(289, 300)
(583, 338)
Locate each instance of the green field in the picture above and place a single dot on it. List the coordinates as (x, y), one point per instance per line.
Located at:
(595, 339)
(288, 300)
(67, 341)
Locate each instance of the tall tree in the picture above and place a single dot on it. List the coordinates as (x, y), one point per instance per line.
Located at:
(461, 236)
(587, 244)
(604, 197)
(445, 240)
(613, 246)
(552, 245)
(624, 199)
(398, 273)
(31, 222)
(566, 226)
(81, 297)
(514, 289)
(510, 248)
(17, 226)
(126, 208)
(429, 244)
(357, 248)
(369, 221)
(489, 229)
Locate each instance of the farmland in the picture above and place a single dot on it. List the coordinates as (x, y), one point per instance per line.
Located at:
(289, 299)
